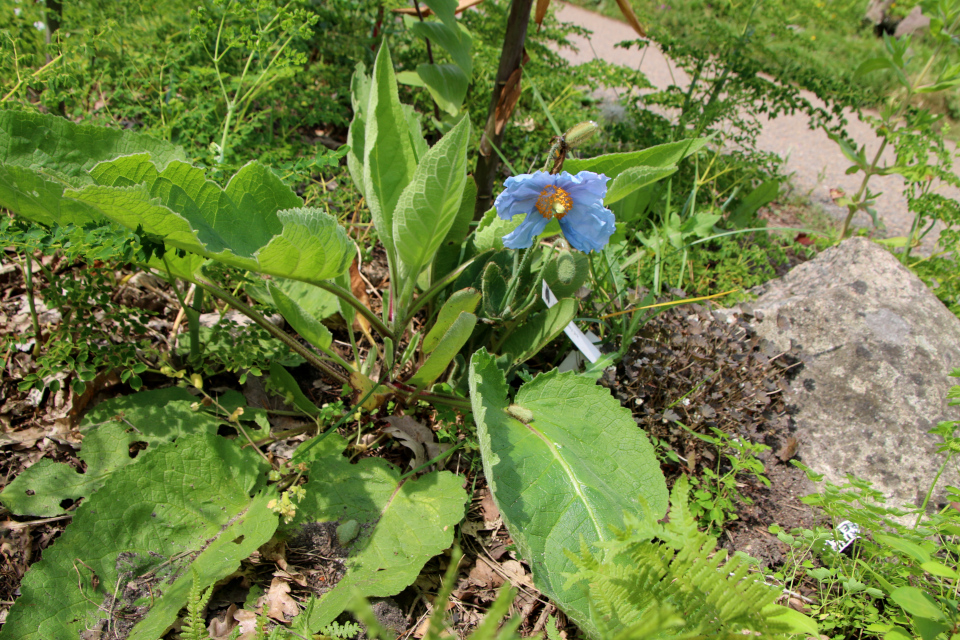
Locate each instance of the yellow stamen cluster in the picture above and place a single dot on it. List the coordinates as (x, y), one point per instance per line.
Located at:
(554, 201)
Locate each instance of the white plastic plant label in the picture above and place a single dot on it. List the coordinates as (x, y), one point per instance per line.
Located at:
(579, 339)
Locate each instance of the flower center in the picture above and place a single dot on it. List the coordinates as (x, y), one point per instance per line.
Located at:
(554, 202)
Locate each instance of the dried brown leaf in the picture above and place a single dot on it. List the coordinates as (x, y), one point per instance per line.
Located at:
(631, 17)
(415, 436)
(541, 12)
(280, 606)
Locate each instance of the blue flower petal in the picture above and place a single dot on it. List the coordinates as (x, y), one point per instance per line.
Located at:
(520, 193)
(585, 186)
(522, 237)
(588, 227)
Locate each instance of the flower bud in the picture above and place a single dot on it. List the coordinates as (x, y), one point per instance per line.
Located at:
(580, 133)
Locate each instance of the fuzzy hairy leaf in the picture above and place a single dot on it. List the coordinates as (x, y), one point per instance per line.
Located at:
(197, 503)
(402, 524)
(389, 159)
(564, 462)
(41, 155)
(429, 204)
(538, 330)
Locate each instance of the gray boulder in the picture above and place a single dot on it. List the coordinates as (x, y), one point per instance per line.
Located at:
(877, 349)
(914, 22)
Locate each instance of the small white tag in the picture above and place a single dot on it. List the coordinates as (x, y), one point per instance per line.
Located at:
(849, 531)
(580, 341)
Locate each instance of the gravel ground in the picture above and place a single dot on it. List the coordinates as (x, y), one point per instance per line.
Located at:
(814, 160)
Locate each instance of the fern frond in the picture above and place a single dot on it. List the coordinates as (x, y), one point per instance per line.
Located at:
(194, 627)
(345, 630)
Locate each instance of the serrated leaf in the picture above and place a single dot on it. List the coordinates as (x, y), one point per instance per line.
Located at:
(192, 506)
(67, 151)
(460, 301)
(443, 354)
(255, 224)
(109, 429)
(389, 160)
(568, 472)
(309, 327)
(612, 164)
(429, 204)
(402, 524)
(447, 83)
(629, 180)
(538, 330)
(41, 155)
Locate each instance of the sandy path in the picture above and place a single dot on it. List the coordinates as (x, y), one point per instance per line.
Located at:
(809, 153)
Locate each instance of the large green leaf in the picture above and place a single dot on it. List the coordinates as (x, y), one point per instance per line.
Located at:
(308, 326)
(564, 463)
(447, 83)
(359, 97)
(192, 507)
(389, 160)
(149, 418)
(635, 178)
(662, 155)
(402, 524)
(65, 151)
(429, 204)
(455, 41)
(254, 224)
(41, 155)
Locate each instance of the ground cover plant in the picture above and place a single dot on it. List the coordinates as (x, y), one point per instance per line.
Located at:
(366, 379)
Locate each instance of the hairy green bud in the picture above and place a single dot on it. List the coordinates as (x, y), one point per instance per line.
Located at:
(580, 133)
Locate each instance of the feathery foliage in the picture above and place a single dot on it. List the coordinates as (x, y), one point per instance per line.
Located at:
(194, 627)
(667, 581)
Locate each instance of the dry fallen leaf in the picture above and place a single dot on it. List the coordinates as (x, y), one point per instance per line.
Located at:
(415, 436)
(516, 574)
(484, 575)
(280, 606)
(509, 96)
(220, 629)
(248, 624)
(491, 514)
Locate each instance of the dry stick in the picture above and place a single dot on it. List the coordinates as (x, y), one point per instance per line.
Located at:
(510, 57)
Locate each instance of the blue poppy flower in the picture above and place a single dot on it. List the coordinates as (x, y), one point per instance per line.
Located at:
(575, 201)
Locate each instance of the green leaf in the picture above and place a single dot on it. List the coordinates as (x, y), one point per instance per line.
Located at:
(389, 160)
(109, 429)
(612, 164)
(66, 151)
(402, 524)
(795, 621)
(288, 384)
(897, 633)
(309, 327)
(766, 193)
(906, 547)
(629, 180)
(186, 508)
(494, 290)
(359, 97)
(316, 302)
(460, 301)
(443, 354)
(917, 603)
(429, 204)
(455, 41)
(447, 83)
(446, 10)
(566, 473)
(254, 224)
(873, 64)
(935, 568)
(538, 330)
